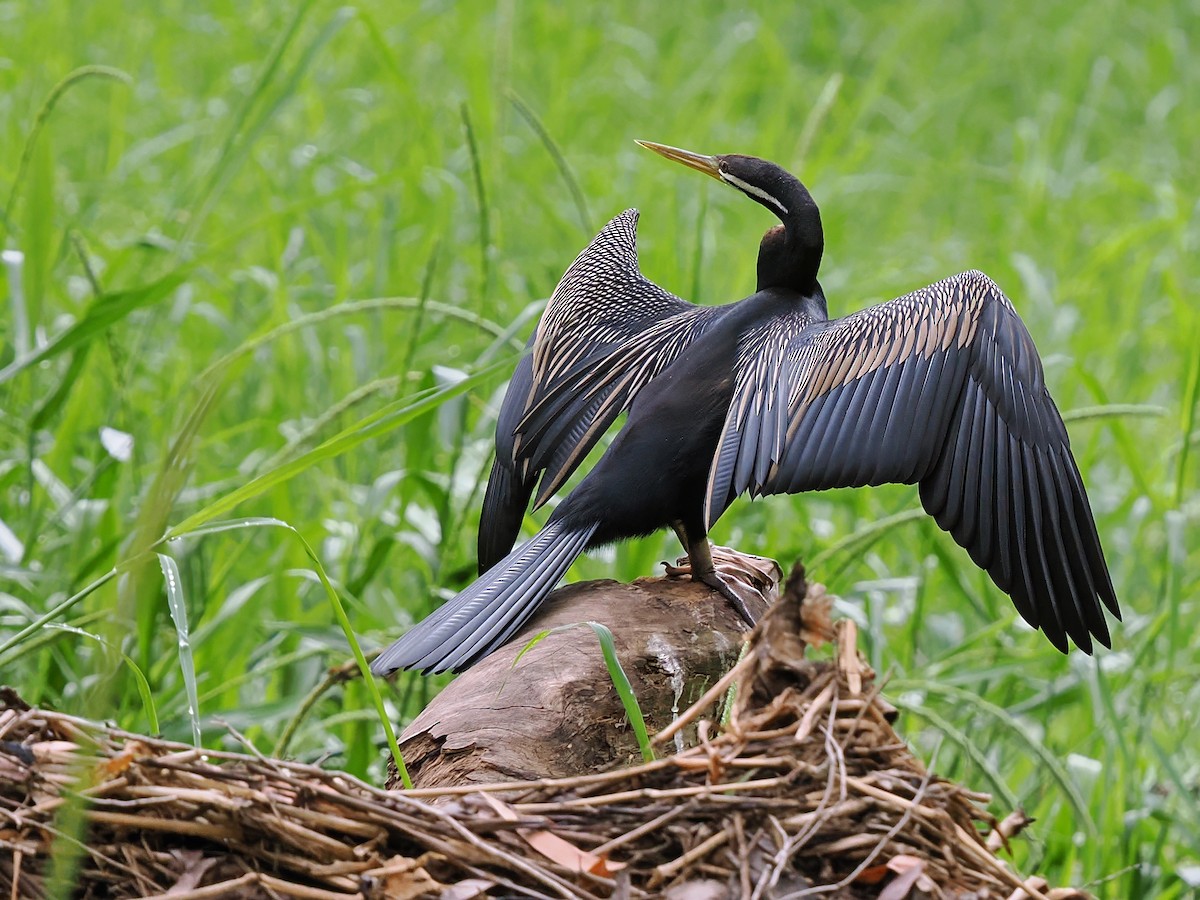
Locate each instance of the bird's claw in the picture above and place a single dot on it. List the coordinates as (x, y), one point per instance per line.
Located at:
(679, 570)
(733, 575)
(726, 590)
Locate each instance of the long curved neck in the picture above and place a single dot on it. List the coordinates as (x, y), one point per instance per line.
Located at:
(790, 254)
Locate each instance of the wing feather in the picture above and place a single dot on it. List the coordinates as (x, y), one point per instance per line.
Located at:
(944, 388)
(602, 301)
(562, 426)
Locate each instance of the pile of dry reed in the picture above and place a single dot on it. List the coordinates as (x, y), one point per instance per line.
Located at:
(808, 791)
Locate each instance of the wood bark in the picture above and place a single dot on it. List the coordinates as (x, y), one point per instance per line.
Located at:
(555, 712)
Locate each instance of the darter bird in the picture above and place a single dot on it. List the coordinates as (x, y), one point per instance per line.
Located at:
(942, 388)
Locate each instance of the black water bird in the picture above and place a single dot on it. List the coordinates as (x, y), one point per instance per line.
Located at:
(602, 300)
(941, 387)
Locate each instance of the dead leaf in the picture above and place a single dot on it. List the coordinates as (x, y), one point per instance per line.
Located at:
(117, 765)
(195, 866)
(1012, 825)
(568, 855)
(903, 862)
(910, 871)
(401, 878)
(467, 889)
(409, 885)
(872, 875)
(814, 605)
(555, 848)
(900, 886)
(500, 808)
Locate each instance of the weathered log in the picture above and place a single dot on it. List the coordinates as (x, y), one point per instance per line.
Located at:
(554, 711)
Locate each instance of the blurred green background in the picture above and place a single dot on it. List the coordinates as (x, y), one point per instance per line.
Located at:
(249, 227)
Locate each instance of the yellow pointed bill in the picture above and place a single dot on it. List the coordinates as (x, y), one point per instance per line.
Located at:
(699, 162)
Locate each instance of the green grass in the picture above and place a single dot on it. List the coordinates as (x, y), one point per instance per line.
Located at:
(268, 243)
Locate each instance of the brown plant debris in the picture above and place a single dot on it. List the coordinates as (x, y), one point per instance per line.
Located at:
(808, 792)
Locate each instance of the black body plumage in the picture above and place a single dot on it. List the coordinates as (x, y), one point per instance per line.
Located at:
(942, 388)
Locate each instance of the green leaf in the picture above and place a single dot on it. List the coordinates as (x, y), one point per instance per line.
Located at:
(390, 417)
(101, 315)
(143, 686)
(178, 606)
(620, 681)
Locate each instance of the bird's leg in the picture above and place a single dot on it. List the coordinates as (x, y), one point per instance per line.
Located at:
(681, 533)
(702, 569)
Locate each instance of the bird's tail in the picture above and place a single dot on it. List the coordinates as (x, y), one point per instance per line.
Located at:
(490, 611)
(508, 491)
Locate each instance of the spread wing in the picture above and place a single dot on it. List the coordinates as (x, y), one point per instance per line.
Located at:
(944, 388)
(602, 301)
(568, 420)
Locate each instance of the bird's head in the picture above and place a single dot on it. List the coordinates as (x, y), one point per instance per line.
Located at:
(794, 260)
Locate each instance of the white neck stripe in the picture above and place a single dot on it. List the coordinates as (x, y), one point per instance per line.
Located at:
(755, 191)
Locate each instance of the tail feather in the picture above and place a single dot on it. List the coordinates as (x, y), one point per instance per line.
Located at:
(504, 502)
(511, 484)
(490, 611)
(504, 619)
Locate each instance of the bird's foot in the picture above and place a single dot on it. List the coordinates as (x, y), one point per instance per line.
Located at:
(735, 576)
(727, 590)
(761, 573)
(714, 581)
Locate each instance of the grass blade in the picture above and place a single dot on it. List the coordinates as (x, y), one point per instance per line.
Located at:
(312, 429)
(863, 537)
(422, 302)
(178, 607)
(539, 637)
(564, 168)
(72, 78)
(14, 273)
(388, 418)
(233, 151)
(355, 307)
(485, 226)
(1187, 425)
(102, 314)
(139, 677)
(339, 612)
(1113, 411)
(66, 605)
(624, 689)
